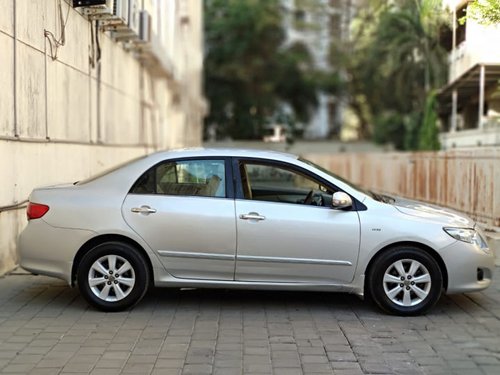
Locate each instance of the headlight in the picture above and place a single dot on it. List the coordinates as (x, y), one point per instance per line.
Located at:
(467, 235)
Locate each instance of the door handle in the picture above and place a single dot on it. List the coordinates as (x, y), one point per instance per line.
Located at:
(252, 216)
(143, 210)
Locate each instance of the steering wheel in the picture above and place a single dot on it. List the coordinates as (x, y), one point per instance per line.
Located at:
(309, 197)
(317, 200)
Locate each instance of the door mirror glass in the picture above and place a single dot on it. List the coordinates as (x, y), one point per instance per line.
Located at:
(341, 200)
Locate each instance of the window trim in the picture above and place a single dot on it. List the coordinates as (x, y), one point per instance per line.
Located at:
(238, 189)
(228, 175)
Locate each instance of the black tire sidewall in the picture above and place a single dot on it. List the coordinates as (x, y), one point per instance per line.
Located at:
(375, 280)
(133, 257)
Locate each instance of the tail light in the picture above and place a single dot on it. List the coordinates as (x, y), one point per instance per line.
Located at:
(36, 210)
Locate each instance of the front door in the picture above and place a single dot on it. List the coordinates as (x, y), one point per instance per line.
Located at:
(287, 230)
(182, 209)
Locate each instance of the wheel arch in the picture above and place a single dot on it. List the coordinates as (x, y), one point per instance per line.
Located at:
(433, 253)
(95, 241)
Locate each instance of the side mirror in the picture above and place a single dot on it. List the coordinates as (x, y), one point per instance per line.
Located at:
(341, 200)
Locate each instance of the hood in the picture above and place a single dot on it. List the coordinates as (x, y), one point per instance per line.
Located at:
(432, 212)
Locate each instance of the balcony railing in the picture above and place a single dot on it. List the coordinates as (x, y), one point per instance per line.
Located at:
(488, 135)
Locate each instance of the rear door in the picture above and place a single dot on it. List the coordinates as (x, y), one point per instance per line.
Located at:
(184, 210)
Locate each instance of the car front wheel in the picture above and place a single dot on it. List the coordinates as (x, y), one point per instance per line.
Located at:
(405, 281)
(113, 276)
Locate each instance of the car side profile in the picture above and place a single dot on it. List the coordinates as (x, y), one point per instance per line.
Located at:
(228, 218)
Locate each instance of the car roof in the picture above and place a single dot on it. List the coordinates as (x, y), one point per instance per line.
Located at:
(223, 152)
(124, 176)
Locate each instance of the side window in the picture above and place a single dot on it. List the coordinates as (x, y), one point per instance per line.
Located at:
(277, 184)
(204, 178)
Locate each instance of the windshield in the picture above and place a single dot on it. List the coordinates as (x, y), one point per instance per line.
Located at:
(108, 171)
(379, 197)
(337, 177)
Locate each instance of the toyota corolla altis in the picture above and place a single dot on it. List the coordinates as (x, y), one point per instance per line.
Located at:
(247, 219)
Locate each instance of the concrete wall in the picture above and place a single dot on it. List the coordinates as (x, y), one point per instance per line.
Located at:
(62, 120)
(465, 180)
(489, 135)
(477, 47)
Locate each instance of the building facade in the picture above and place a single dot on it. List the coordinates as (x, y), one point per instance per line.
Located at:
(84, 89)
(318, 24)
(469, 104)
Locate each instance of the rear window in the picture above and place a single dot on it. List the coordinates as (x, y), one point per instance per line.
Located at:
(108, 171)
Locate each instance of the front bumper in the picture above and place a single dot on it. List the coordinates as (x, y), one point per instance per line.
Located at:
(469, 268)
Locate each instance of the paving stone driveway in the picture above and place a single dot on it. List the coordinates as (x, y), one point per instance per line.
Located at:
(46, 328)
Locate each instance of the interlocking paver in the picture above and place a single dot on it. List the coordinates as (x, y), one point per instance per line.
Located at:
(46, 328)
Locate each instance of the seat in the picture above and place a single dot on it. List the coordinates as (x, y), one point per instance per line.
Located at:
(245, 183)
(212, 186)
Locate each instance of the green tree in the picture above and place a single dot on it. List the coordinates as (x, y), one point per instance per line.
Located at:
(250, 73)
(428, 134)
(394, 61)
(486, 12)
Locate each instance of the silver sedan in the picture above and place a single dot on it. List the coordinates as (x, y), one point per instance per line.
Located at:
(247, 219)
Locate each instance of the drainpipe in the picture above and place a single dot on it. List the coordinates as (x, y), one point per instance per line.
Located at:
(16, 130)
(480, 117)
(454, 100)
(454, 95)
(453, 43)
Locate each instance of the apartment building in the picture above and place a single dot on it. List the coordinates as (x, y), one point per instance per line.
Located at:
(469, 105)
(318, 23)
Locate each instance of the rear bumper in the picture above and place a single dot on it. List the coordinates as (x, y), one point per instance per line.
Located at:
(470, 269)
(46, 250)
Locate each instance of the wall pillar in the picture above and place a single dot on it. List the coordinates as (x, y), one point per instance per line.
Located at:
(454, 105)
(480, 116)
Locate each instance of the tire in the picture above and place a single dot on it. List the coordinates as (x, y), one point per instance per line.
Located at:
(420, 289)
(109, 292)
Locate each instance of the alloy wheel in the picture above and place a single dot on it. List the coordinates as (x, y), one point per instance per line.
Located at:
(111, 278)
(407, 282)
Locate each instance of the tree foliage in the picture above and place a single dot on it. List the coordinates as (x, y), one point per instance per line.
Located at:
(250, 72)
(486, 12)
(393, 62)
(428, 134)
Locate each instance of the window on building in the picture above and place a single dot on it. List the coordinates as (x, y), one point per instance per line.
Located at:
(461, 26)
(299, 19)
(335, 25)
(446, 37)
(337, 4)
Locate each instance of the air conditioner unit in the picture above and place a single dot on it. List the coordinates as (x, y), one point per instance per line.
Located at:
(87, 3)
(121, 10)
(127, 32)
(144, 26)
(109, 10)
(134, 15)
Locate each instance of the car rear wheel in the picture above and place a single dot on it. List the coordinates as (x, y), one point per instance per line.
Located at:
(113, 276)
(405, 281)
